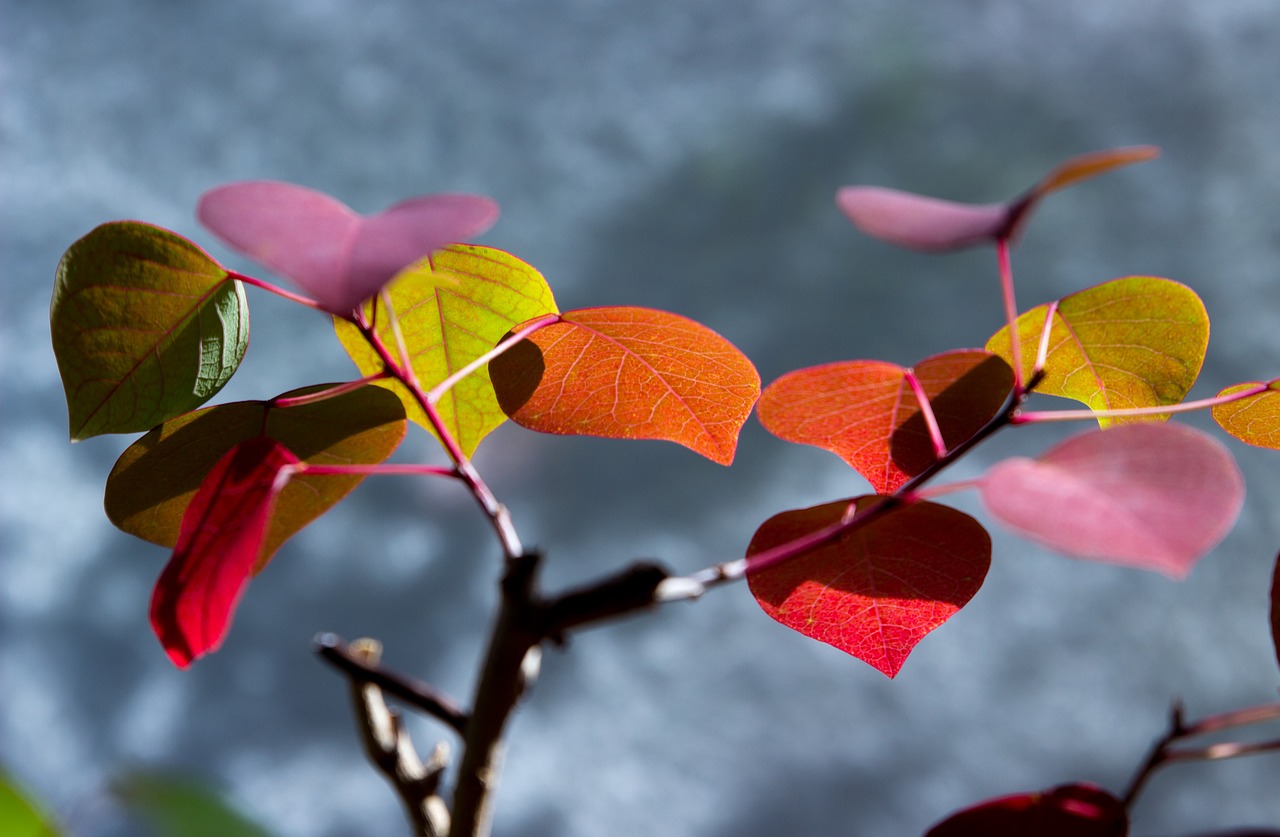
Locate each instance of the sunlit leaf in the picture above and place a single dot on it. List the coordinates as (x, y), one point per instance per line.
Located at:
(452, 309)
(1152, 496)
(866, 413)
(337, 256)
(155, 479)
(145, 327)
(19, 814)
(879, 590)
(175, 807)
(1077, 810)
(1132, 342)
(1255, 419)
(931, 224)
(630, 373)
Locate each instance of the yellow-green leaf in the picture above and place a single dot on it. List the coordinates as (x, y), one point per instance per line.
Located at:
(19, 814)
(452, 308)
(1132, 342)
(146, 326)
(1254, 419)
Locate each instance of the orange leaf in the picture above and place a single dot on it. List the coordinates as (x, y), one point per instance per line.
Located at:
(865, 412)
(1254, 419)
(630, 373)
(876, 592)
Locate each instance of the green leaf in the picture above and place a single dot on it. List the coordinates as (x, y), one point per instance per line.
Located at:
(182, 808)
(1132, 342)
(1255, 419)
(19, 816)
(452, 308)
(146, 326)
(155, 479)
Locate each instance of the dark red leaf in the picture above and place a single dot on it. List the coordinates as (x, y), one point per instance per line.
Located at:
(1068, 811)
(222, 535)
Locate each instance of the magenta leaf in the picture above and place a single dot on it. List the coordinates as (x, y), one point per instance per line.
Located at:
(1077, 810)
(337, 256)
(1152, 496)
(223, 531)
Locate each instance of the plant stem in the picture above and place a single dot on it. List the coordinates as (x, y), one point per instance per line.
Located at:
(437, 392)
(1010, 310)
(926, 411)
(1132, 412)
(275, 289)
(327, 393)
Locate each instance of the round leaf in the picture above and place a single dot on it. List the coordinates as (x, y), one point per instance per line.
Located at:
(145, 328)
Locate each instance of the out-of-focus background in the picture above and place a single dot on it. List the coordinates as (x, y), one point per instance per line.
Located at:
(684, 155)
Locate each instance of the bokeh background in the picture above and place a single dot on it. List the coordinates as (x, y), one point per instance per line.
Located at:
(681, 154)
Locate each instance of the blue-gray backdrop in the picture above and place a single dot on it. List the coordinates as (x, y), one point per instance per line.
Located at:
(681, 154)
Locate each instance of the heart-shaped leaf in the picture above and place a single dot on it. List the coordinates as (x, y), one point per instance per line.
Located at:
(865, 412)
(223, 533)
(155, 479)
(1255, 419)
(630, 373)
(452, 308)
(877, 591)
(1152, 496)
(1132, 342)
(930, 224)
(145, 327)
(1077, 810)
(338, 257)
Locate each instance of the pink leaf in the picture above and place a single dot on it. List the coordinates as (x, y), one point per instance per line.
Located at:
(336, 255)
(222, 533)
(919, 222)
(1078, 810)
(1153, 496)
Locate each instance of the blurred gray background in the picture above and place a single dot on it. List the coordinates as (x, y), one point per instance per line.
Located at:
(680, 154)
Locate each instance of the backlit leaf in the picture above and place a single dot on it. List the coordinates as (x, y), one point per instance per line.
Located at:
(1254, 420)
(877, 591)
(20, 816)
(1152, 496)
(223, 533)
(145, 327)
(865, 412)
(630, 373)
(452, 309)
(1077, 810)
(931, 224)
(155, 479)
(176, 807)
(337, 256)
(1132, 342)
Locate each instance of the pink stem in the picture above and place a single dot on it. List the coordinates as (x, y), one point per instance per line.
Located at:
(275, 289)
(1010, 311)
(1184, 407)
(325, 394)
(374, 470)
(926, 411)
(438, 391)
(1042, 354)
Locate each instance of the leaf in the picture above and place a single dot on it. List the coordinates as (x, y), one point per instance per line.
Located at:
(877, 591)
(1132, 342)
(145, 327)
(1254, 420)
(181, 808)
(1077, 810)
(934, 225)
(19, 815)
(337, 256)
(155, 479)
(223, 534)
(630, 373)
(1275, 608)
(1152, 496)
(452, 308)
(866, 413)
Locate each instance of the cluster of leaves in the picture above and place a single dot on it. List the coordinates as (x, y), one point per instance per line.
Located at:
(457, 338)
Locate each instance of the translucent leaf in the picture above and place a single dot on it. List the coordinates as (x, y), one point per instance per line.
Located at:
(865, 412)
(1077, 810)
(181, 808)
(145, 327)
(338, 257)
(452, 309)
(1254, 420)
(19, 814)
(1152, 496)
(879, 590)
(155, 479)
(630, 373)
(1132, 342)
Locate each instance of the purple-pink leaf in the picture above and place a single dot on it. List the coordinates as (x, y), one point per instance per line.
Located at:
(919, 222)
(1152, 496)
(337, 256)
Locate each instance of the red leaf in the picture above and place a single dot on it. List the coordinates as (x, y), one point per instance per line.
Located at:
(339, 257)
(222, 534)
(1077, 810)
(630, 373)
(877, 591)
(1153, 496)
(865, 412)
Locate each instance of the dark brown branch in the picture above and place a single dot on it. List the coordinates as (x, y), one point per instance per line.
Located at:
(617, 595)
